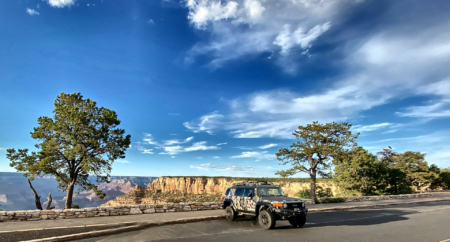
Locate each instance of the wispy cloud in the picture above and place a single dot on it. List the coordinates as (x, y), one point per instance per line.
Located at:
(222, 143)
(371, 127)
(440, 109)
(61, 3)
(386, 66)
(243, 28)
(32, 12)
(175, 141)
(205, 123)
(264, 155)
(229, 168)
(263, 147)
(198, 146)
(123, 161)
(174, 114)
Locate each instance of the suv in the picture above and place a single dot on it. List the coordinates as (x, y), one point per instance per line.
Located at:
(265, 201)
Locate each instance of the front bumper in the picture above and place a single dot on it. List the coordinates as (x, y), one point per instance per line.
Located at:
(287, 213)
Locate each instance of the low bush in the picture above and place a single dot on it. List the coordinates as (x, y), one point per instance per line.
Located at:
(332, 200)
(75, 206)
(303, 194)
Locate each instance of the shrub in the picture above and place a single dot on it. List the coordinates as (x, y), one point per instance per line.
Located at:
(303, 194)
(333, 200)
(75, 206)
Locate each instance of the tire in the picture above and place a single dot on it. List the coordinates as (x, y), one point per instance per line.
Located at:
(298, 221)
(266, 219)
(230, 214)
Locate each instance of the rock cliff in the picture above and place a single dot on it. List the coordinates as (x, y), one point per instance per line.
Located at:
(213, 185)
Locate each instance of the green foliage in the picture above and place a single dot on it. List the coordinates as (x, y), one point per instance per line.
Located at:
(80, 140)
(320, 192)
(444, 178)
(415, 167)
(305, 194)
(332, 200)
(75, 206)
(360, 173)
(315, 147)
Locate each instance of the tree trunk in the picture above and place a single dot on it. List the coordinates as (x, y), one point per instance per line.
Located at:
(37, 198)
(69, 195)
(312, 192)
(49, 202)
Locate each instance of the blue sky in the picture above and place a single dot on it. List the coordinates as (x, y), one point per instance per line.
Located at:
(216, 87)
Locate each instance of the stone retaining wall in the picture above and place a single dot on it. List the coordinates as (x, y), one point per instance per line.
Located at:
(32, 215)
(385, 197)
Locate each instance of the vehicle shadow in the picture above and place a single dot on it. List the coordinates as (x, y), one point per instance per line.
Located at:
(357, 217)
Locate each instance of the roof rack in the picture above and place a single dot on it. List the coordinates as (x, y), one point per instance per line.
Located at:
(251, 183)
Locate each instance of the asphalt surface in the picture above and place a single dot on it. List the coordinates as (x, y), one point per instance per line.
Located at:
(418, 222)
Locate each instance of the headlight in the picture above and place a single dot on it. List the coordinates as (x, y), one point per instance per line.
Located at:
(285, 205)
(303, 205)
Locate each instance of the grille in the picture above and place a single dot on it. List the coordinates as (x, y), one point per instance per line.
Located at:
(294, 205)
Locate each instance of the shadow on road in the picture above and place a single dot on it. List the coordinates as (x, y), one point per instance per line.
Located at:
(355, 217)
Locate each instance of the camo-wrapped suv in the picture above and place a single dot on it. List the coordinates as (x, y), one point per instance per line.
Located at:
(265, 201)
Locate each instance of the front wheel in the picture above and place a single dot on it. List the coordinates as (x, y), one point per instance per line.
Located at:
(230, 214)
(298, 221)
(266, 219)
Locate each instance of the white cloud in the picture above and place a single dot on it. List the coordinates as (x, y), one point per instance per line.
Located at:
(123, 161)
(198, 146)
(263, 147)
(147, 151)
(222, 143)
(241, 28)
(371, 127)
(255, 154)
(173, 114)
(32, 12)
(175, 141)
(206, 123)
(287, 40)
(439, 109)
(61, 3)
(201, 12)
(382, 68)
(173, 156)
(148, 138)
(229, 168)
(216, 157)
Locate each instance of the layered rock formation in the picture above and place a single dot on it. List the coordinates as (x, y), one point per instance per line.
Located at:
(213, 185)
(202, 189)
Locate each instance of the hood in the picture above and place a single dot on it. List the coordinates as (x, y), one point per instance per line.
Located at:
(280, 199)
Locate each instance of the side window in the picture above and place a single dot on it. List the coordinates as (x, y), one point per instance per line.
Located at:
(227, 192)
(247, 191)
(238, 192)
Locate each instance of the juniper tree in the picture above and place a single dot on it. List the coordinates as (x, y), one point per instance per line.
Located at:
(312, 153)
(81, 140)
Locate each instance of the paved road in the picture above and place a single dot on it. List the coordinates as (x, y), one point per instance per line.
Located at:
(420, 222)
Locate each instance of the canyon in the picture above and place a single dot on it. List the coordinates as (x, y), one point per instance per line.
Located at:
(200, 189)
(15, 194)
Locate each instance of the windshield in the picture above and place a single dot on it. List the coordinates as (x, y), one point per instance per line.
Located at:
(269, 191)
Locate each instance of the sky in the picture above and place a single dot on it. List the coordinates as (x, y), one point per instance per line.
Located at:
(216, 88)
